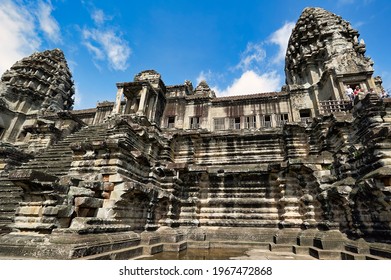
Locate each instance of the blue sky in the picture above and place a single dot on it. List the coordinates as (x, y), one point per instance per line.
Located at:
(238, 47)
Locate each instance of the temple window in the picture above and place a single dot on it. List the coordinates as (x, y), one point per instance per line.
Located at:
(282, 119)
(234, 123)
(250, 122)
(171, 122)
(305, 115)
(219, 123)
(194, 122)
(266, 121)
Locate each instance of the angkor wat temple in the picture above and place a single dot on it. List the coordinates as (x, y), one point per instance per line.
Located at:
(165, 168)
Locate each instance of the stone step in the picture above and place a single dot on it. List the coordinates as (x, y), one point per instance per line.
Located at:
(84, 225)
(6, 216)
(86, 134)
(36, 226)
(242, 210)
(175, 247)
(239, 222)
(5, 182)
(153, 249)
(51, 158)
(229, 161)
(324, 254)
(301, 250)
(382, 251)
(54, 170)
(10, 196)
(341, 255)
(92, 129)
(229, 202)
(233, 190)
(243, 216)
(227, 244)
(281, 247)
(89, 139)
(12, 190)
(229, 188)
(61, 152)
(233, 156)
(56, 152)
(236, 195)
(48, 160)
(346, 255)
(121, 254)
(53, 163)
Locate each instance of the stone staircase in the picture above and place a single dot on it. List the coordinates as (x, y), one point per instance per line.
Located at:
(250, 204)
(10, 196)
(148, 245)
(57, 159)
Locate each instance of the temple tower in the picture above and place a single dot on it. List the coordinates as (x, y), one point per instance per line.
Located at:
(36, 85)
(323, 57)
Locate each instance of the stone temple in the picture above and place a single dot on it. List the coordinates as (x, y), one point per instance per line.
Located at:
(306, 170)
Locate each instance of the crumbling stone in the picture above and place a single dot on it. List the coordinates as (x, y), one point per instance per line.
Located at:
(304, 169)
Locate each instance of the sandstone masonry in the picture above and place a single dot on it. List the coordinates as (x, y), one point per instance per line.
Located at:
(163, 168)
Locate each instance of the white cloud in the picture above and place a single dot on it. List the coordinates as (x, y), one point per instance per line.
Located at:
(78, 99)
(281, 37)
(20, 27)
(99, 16)
(96, 51)
(18, 35)
(47, 22)
(208, 76)
(251, 82)
(106, 45)
(252, 56)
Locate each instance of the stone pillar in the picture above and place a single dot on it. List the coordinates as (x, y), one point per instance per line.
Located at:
(128, 104)
(336, 92)
(313, 73)
(117, 106)
(371, 83)
(315, 100)
(141, 108)
(152, 108)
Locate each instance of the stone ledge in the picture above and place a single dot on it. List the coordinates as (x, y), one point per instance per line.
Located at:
(31, 175)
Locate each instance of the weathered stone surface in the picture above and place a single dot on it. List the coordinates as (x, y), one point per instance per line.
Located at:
(88, 202)
(78, 191)
(304, 169)
(65, 211)
(31, 175)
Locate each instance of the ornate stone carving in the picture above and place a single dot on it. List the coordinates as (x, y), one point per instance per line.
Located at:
(43, 76)
(323, 36)
(269, 168)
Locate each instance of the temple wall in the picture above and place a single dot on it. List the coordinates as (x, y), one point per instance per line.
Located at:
(161, 161)
(207, 110)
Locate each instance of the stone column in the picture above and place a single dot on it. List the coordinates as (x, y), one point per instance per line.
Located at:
(128, 104)
(117, 106)
(141, 108)
(337, 93)
(153, 108)
(313, 73)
